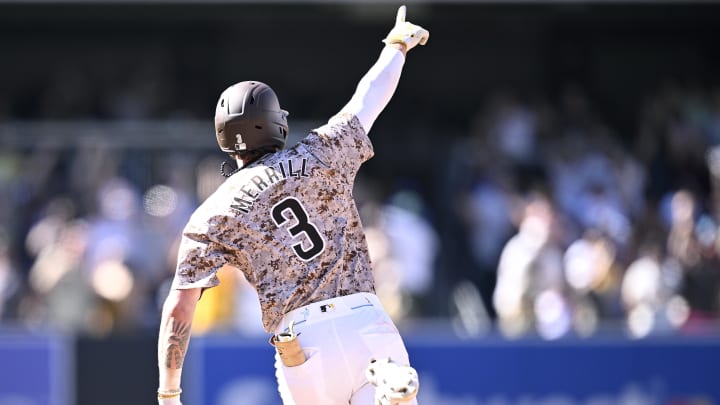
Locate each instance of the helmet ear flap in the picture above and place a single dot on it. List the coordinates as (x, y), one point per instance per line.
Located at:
(284, 129)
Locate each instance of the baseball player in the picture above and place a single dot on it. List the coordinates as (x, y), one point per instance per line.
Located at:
(286, 218)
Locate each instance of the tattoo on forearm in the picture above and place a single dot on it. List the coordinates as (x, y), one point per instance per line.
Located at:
(177, 343)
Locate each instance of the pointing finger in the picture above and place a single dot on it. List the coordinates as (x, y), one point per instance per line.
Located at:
(400, 15)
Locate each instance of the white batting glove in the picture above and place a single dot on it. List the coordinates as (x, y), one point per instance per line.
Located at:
(406, 33)
(169, 401)
(394, 384)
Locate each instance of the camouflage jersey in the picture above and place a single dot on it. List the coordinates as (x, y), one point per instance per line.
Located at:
(288, 221)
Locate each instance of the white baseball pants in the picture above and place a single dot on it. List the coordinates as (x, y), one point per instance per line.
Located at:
(339, 337)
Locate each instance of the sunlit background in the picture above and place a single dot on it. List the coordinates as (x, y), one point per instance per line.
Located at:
(542, 209)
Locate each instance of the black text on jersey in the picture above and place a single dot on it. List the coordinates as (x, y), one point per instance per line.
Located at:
(265, 179)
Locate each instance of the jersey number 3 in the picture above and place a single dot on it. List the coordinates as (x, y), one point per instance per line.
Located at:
(290, 208)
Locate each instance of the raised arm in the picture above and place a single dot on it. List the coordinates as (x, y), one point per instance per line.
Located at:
(173, 340)
(378, 85)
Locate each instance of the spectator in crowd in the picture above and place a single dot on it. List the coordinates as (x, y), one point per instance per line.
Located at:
(413, 246)
(530, 275)
(592, 273)
(692, 247)
(9, 278)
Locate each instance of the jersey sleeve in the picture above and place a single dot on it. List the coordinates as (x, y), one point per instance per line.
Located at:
(199, 260)
(341, 144)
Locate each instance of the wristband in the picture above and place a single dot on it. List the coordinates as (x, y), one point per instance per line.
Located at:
(166, 394)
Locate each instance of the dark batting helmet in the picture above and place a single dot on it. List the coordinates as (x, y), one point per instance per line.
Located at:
(248, 117)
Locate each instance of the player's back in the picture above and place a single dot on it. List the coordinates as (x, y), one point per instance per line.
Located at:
(288, 221)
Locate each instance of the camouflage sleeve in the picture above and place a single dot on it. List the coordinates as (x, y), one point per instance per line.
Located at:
(199, 260)
(341, 144)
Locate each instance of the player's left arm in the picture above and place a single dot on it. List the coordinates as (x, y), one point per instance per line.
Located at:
(378, 85)
(173, 340)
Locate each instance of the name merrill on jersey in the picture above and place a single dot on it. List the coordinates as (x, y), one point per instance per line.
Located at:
(251, 190)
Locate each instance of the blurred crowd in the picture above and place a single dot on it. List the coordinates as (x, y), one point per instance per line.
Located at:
(573, 228)
(556, 225)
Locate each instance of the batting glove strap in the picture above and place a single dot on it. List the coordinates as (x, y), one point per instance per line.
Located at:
(406, 33)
